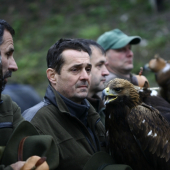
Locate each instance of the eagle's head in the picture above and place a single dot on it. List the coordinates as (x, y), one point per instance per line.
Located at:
(120, 90)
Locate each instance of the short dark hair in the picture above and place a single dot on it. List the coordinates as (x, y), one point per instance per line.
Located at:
(93, 43)
(54, 57)
(4, 25)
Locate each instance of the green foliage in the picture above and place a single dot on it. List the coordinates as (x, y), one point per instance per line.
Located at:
(39, 24)
(17, 25)
(89, 32)
(33, 7)
(97, 11)
(56, 20)
(87, 3)
(158, 42)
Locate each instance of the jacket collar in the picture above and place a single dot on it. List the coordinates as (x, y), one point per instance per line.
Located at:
(66, 105)
(78, 110)
(53, 97)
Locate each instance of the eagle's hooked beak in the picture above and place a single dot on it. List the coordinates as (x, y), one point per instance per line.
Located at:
(108, 95)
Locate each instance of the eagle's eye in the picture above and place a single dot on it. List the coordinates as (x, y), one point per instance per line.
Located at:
(118, 89)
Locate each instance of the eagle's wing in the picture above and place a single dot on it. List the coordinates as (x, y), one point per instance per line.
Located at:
(121, 143)
(151, 129)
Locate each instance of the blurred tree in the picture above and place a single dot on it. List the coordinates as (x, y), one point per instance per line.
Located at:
(40, 23)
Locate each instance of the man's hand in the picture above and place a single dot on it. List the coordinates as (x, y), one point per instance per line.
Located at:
(18, 165)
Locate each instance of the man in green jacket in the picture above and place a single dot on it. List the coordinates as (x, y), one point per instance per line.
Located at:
(65, 113)
(18, 138)
(10, 114)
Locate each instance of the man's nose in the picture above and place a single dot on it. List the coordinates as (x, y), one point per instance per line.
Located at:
(84, 75)
(12, 64)
(105, 72)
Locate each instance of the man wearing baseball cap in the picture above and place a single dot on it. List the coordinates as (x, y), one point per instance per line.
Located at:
(119, 55)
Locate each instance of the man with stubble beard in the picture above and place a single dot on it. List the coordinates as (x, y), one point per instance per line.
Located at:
(10, 114)
(99, 74)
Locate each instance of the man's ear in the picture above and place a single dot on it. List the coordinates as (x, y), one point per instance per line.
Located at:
(51, 75)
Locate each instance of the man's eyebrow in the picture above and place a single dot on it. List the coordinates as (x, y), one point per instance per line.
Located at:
(89, 65)
(79, 65)
(101, 62)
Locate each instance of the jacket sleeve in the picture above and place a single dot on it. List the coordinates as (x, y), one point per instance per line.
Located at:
(10, 111)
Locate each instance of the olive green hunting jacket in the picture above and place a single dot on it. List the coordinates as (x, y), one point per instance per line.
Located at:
(75, 144)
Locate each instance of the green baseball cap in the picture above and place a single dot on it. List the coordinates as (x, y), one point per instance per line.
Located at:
(116, 39)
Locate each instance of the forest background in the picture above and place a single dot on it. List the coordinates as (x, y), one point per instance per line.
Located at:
(40, 23)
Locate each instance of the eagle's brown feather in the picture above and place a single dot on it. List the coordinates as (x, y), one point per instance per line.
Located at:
(152, 127)
(138, 134)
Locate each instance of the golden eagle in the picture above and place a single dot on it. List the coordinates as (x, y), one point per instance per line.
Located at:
(138, 135)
